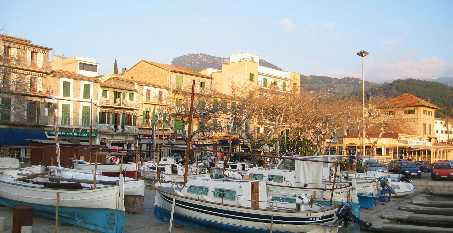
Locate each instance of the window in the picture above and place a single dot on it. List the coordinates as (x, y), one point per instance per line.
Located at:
(65, 114)
(289, 200)
(424, 128)
(5, 109)
(32, 114)
(179, 126)
(104, 118)
(86, 91)
(148, 94)
(252, 77)
(409, 111)
(88, 67)
(131, 96)
(429, 129)
(86, 116)
(66, 89)
(284, 86)
(226, 194)
(264, 82)
(256, 176)
(202, 85)
(145, 117)
(276, 178)
(116, 97)
(179, 82)
(390, 113)
(198, 190)
(104, 93)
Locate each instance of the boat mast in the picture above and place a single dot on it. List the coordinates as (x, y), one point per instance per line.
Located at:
(57, 142)
(189, 135)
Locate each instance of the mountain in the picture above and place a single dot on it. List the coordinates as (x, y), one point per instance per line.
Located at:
(200, 61)
(335, 86)
(438, 93)
(445, 80)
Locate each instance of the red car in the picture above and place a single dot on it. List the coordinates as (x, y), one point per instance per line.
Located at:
(442, 169)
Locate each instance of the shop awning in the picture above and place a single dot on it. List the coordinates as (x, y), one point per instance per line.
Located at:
(20, 136)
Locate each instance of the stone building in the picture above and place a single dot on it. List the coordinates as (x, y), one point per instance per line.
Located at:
(25, 110)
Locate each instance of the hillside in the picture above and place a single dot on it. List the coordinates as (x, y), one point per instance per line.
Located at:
(200, 61)
(335, 86)
(438, 93)
(445, 80)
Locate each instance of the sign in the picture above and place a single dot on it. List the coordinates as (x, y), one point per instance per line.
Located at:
(72, 132)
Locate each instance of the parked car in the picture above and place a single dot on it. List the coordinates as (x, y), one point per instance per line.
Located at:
(405, 167)
(424, 166)
(374, 165)
(442, 169)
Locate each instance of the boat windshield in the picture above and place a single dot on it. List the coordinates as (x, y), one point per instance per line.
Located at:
(256, 176)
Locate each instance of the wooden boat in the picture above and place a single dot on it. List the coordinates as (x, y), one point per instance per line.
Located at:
(243, 206)
(100, 209)
(113, 170)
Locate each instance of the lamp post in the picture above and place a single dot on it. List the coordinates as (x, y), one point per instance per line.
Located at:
(362, 54)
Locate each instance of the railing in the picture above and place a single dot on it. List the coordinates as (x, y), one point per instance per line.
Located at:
(118, 103)
(107, 128)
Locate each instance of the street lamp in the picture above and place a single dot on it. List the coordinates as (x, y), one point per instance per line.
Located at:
(362, 54)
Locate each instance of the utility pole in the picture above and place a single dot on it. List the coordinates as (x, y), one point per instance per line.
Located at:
(189, 135)
(363, 54)
(57, 142)
(91, 143)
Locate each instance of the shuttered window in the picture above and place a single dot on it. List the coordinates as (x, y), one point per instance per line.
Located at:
(5, 109)
(86, 90)
(178, 82)
(65, 114)
(131, 96)
(86, 116)
(66, 89)
(104, 94)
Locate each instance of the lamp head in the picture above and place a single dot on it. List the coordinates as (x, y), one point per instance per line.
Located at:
(362, 53)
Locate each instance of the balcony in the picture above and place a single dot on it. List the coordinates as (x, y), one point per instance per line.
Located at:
(107, 128)
(119, 102)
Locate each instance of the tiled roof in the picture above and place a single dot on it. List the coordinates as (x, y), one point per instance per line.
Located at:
(407, 100)
(117, 82)
(177, 69)
(18, 40)
(73, 75)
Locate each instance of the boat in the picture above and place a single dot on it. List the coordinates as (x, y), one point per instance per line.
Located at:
(244, 206)
(113, 170)
(100, 209)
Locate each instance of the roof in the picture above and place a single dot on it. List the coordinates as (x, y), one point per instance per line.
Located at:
(177, 69)
(407, 100)
(73, 75)
(117, 82)
(18, 40)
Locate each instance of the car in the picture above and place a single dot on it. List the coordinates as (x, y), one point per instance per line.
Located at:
(442, 169)
(424, 166)
(374, 165)
(405, 167)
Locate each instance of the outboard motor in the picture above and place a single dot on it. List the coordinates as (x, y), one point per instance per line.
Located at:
(344, 214)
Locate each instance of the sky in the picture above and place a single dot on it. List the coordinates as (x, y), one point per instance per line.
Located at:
(405, 38)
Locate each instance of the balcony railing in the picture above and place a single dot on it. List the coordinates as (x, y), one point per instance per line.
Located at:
(119, 103)
(107, 128)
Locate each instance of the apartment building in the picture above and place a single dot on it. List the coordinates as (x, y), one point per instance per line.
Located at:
(24, 107)
(243, 73)
(443, 133)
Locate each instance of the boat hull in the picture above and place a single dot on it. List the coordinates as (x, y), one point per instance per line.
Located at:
(100, 220)
(229, 218)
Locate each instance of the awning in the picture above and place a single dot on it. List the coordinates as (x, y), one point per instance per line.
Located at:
(20, 136)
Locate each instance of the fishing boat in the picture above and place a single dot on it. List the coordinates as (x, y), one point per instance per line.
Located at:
(114, 170)
(244, 206)
(100, 209)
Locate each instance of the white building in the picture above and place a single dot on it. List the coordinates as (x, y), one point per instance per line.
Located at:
(441, 132)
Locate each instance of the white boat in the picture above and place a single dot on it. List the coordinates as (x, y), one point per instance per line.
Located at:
(9, 163)
(127, 169)
(244, 206)
(100, 209)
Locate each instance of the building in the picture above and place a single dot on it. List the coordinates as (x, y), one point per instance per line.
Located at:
(415, 115)
(243, 73)
(443, 133)
(84, 66)
(75, 97)
(119, 103)
(25, 109)
(166, 92)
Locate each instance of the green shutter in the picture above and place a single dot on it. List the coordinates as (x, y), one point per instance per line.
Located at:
(179, 125)
(65, 114)
(104, 93)
(252, 77)
(5, 109)
(178, 81)
(264, 82)
(66, 89)
(284, 86)
(86, 116)
(131, 96)
(86, 91)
